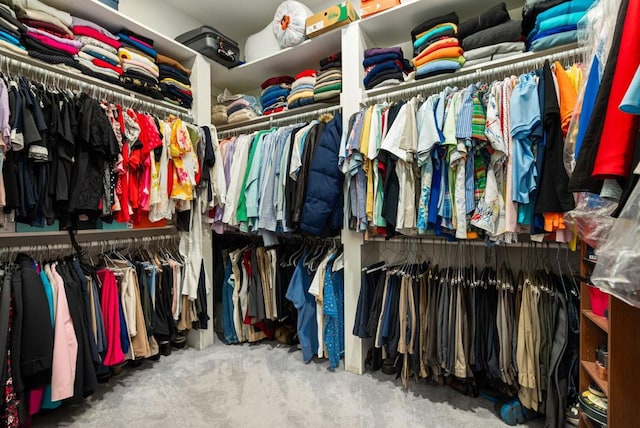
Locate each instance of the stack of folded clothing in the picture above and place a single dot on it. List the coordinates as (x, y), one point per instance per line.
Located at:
(174, 81)
(11, 30)
(508, 31)
(219, 115)
(239, 107)
(275, 91)
(302, 89)
(329, 81)
(553, 24)
(98, 54)
(436, 46)
(138, 59)
(487, 26)
(384, 66)
(49, 35)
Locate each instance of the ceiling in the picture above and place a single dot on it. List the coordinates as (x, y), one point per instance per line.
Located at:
(238, 19)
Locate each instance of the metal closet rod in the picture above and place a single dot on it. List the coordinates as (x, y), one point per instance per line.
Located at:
(510, 66)
(475, 243)
(89, 245)
(279, 121)
(51, 75)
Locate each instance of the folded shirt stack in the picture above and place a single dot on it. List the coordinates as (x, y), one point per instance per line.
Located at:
(47, 37)
(275, 91)
(239, 107)
(384, 66)
(302, 89)
(329, 81)
(11, 30)
(98, 56)
(488, 27)
(219, 115)
(555, 25)
(436, 46)
(138, 59)
(174, 81)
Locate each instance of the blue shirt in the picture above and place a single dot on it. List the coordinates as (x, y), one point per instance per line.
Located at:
(305, 303)
(631, 101)
(333, 309)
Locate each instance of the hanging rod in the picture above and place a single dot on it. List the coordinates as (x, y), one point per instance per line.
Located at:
(69, 78)
(18, 239)
(89, 245)
(496, 69)
(279, 119)
(475, 243)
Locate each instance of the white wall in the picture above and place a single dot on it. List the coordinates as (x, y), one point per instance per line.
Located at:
(164, 18)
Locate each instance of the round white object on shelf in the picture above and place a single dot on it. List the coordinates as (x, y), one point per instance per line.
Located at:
(289, 23)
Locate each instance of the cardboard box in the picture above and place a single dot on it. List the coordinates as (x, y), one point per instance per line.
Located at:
(371, 7)
(330, 19)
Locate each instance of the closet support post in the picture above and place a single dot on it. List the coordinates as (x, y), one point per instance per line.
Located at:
(201, 79)
(352, 54)
(354, 347)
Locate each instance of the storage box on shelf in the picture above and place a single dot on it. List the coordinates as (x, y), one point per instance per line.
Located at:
(617, 332)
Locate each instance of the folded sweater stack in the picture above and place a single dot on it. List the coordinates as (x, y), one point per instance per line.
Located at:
(49, 37)
(302, 89)
(275, 91)
(384, 66)
(138, 59)
(11, 30)
(98, 54)
(329, 81)
(174, 81)
(240, 107)
(490, 35)
(436, 46)
(219, 115)
(555, 23)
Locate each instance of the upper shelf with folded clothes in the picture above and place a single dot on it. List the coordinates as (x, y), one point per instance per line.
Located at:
(113, 20)
(393, 26)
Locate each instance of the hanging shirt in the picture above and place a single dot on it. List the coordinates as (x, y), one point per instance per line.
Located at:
(298, 294)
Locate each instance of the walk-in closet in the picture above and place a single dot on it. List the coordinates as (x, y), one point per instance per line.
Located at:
(319, 212)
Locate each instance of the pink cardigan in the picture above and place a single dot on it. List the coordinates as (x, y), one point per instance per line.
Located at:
(65, 344)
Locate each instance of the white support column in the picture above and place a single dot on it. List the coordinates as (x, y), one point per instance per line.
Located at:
(352, 53)
(201, 110)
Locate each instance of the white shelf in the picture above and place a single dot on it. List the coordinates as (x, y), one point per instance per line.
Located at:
(276, 116)
(30, 62)
(114, 21)
(289, 61)
(393, 26)
(472, 71)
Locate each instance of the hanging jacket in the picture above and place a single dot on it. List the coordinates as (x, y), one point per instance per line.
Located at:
(322, 208)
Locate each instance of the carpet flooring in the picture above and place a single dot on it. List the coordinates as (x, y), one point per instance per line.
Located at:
(266, 385)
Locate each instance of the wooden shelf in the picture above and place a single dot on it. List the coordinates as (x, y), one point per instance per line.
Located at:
(114, 21)
(590, 368)
(601, 322)
(585, 421)
(290, 61)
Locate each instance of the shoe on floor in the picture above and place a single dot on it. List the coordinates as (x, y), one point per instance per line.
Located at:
(513, 413)
(572, 417)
